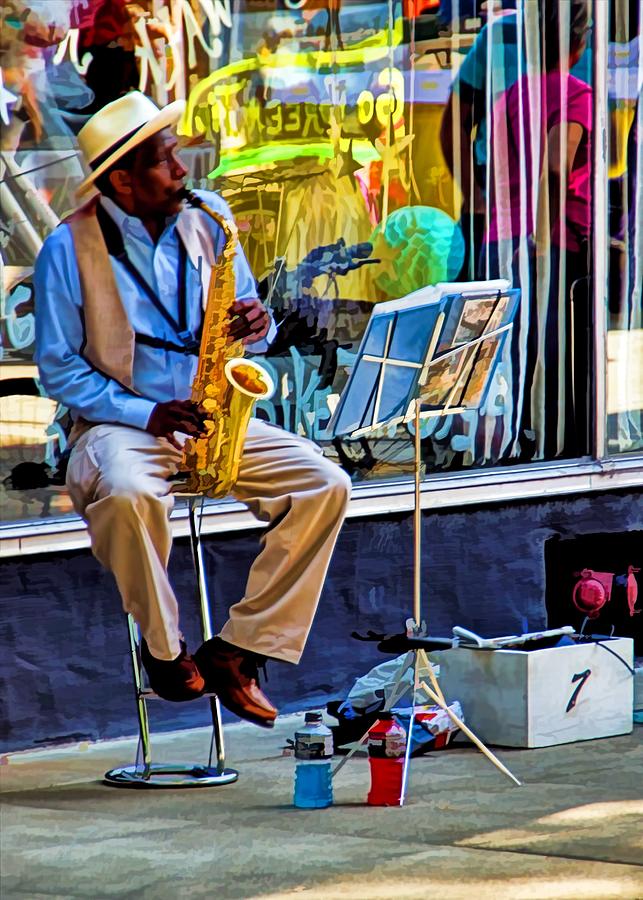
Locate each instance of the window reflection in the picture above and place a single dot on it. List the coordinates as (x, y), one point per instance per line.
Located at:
(367, 150)
(625, 310)
(521, 113)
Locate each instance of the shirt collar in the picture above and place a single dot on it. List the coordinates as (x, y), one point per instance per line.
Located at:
(131, 224)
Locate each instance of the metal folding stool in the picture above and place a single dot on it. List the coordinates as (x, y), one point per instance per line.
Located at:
(145, 773)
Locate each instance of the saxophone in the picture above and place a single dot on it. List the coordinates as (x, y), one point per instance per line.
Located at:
(226, 385)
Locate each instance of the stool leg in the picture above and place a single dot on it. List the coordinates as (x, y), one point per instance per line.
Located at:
(141, 704)
(172, 775)
(206, 626)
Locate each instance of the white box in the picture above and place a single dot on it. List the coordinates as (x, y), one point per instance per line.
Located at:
(538, 698)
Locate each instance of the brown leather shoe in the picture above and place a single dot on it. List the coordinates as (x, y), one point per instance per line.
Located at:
(231, 673)
(174, 679)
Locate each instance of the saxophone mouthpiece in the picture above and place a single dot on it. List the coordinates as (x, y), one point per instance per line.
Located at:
(190, 197)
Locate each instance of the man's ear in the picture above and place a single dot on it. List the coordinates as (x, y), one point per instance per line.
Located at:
(121, 181)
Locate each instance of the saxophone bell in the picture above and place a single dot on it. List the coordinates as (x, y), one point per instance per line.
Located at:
(249, 377)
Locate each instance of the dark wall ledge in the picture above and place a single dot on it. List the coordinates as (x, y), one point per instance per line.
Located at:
(64, 660)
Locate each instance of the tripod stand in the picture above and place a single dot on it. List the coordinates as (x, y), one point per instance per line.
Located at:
(403, 338)
(434, 692)
(417, 655)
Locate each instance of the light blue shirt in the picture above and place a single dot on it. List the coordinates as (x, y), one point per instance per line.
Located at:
(158, 375)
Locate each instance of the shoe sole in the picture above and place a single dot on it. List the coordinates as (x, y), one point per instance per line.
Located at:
(205, 668)
(245, 715)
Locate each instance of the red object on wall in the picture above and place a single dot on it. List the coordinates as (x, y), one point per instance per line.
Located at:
(632, 590)
(592, 592)
(414, 8)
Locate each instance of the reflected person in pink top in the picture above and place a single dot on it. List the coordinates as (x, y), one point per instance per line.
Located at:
(539, 234)
(550, 115)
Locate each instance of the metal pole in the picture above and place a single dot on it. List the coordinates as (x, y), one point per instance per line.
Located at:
(417, 523)
(217, 741)
(601, 13)
(141, 703)
(217, 736)
(199, 570)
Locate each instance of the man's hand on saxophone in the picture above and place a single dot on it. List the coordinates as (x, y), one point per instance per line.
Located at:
(176, 415)
(251, 321)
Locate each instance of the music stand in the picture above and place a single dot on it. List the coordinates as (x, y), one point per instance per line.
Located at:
(432, 353)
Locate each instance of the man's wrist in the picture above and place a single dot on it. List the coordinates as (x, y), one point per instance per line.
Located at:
(136, 412)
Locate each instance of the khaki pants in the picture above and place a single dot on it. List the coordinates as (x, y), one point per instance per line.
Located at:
(117, 478)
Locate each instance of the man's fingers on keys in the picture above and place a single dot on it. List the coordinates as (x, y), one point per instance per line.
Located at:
(251, 319)
(260, 328)
(189, 423)
(169, 437)
(239, 327)
(191, 412)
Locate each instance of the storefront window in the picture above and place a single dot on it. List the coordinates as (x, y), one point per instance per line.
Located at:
(368, 154)
(625, 310)
(366, 150)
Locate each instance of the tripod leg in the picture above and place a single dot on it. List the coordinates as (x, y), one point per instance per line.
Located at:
(438, 697)
(466, 730)
(399, 688)
(426, 662)
(407, 753)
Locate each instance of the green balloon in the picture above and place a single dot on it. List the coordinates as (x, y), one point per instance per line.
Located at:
(419, 245)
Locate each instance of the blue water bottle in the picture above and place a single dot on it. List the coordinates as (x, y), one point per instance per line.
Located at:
(313, 754)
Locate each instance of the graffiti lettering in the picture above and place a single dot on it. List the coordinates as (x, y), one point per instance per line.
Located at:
(20, 328)
(315, 123)
(217, 14)
(69, 44)
(298, 404)
(151, 65)
(292, 120)
(154, 64)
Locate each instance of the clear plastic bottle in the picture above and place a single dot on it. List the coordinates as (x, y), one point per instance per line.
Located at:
(313, 754)
(386, 749)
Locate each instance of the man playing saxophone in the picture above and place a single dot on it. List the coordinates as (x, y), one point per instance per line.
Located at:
(120, 287)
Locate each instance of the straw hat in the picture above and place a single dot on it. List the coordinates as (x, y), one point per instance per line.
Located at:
(119, 127)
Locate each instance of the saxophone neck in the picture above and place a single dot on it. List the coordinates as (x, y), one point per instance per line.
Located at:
(227, 225)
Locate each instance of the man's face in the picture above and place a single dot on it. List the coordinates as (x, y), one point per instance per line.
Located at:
(157, 176)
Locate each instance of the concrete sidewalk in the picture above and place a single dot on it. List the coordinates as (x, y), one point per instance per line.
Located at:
(574, 830)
